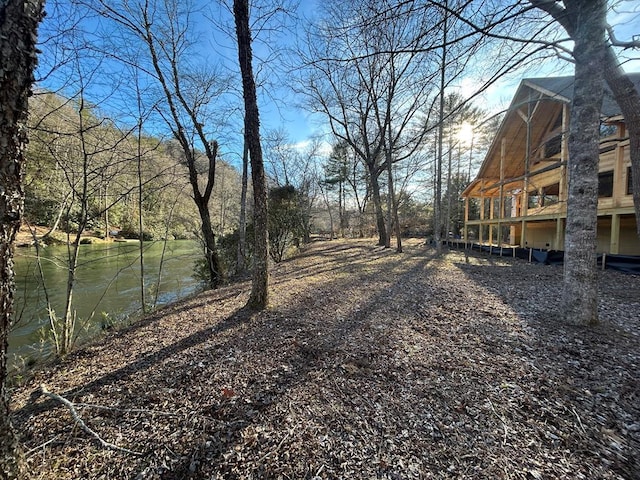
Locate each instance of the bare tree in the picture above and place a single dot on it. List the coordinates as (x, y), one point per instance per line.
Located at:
(164, 27)
(344, 172)
(18, 26)
(370, 74)
(518, 27)
(259, 298)
(90, 160)
(269, 22)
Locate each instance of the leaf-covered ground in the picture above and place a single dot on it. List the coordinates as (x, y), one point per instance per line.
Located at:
(368, 365)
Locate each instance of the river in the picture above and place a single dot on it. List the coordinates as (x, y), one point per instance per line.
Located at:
(107, 290)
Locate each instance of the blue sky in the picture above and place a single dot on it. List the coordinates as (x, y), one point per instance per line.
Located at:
(284, 113)
(626, 19)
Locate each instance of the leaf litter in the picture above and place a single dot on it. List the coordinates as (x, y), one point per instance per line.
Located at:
(368, 364)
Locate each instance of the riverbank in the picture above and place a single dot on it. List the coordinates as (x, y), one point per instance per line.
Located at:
(27, 234)
(369, 364)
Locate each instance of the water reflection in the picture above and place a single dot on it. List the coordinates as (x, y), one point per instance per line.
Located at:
(107, 287)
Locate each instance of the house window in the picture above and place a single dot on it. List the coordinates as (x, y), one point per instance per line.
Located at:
(553, 147)
(605, 184)
(629, 182)
(551, 194)
(534, 199)
(474, 209)
(497, 213)
(607, 130)
(508, 207)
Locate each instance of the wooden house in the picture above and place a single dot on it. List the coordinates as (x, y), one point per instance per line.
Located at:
(519, 195)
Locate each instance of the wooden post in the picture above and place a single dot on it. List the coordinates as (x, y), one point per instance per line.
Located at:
(492, 208)
(558, 240)
(466, 220)
(503, 147)
(564, 156)
(525, 183)
(619, 186)
(614, 245)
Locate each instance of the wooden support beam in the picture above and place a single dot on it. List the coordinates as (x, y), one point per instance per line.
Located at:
(503, 149)
(482, 212)
(619, 171)
(492, 208)
(466, 219)
(527, 163)
(564, 155)
(558, 243)
(614, 245)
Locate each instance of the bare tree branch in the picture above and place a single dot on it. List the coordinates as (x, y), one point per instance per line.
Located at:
(76, 417)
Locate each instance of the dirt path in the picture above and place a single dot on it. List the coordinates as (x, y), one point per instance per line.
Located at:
(369, 364)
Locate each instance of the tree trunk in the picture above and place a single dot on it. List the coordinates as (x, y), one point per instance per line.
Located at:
(18, 25)
(447, 218)
(259, 298)
(389, 225)
(341, 206)
(325, 197)
(377, 204)
(143, 300)
(209, 240)
(580, 293)
(106, 212)
(65, 334)
(394, 208)
(392, 204)
(241, 262)
(437, 204)
(628, 100)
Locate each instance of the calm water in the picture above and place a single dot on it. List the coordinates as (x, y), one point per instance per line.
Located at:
(107, 284)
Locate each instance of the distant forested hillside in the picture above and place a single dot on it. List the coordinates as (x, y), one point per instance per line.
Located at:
(82, 163)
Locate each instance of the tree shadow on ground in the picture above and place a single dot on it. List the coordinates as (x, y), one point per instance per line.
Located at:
(591, 373)
(281, 328)
(389, 366)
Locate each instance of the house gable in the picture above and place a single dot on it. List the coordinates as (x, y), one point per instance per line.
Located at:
(522, 182)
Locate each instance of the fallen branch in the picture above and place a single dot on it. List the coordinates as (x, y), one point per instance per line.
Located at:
(504, 424)
(35, 449)
(579, 421)
(82, 425)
